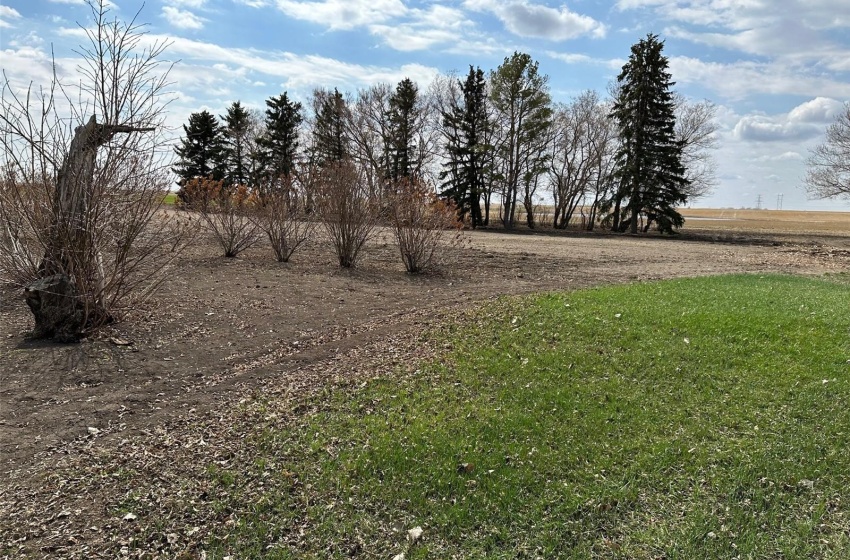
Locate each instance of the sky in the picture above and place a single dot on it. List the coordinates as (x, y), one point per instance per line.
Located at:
(778, 71)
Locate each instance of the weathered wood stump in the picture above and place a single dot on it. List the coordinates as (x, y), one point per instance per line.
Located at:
(58, 311)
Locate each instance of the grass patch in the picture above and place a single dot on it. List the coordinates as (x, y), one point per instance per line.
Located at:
(170, 199)
(703, 418)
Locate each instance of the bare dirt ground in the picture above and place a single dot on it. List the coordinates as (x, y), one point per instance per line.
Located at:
(220, 328)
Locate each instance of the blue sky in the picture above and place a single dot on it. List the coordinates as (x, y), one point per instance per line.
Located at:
(778, 70)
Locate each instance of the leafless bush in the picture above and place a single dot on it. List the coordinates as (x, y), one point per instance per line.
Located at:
(25, 215)
(347, 210)
(282, 215)
(424, 226)
(227, 213)
(83, 179)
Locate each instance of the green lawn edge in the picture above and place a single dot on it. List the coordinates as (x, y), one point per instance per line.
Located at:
(695, 418)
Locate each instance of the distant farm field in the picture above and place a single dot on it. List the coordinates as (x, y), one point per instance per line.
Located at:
(728, 220)
(761, 221)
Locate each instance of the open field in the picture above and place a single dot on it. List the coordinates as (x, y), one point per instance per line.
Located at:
(765, 221)
(88, 430)
(731, 222)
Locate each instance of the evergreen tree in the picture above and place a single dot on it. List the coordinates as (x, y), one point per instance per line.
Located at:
(279, 145)
(237, 127)
(520, 97)
(330, 138)
(468, 155)
(648, 163)
(202, 151)
(404, 116)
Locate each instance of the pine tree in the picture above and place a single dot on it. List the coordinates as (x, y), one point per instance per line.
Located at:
(279, 144)
(648, 163)
(202, 151)
(237, 127)
(404, 116)
(520, 96)
(468, 156)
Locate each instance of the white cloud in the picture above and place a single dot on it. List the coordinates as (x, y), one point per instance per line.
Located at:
(6, 13)
(746, 14)
(791, 36)
(188, 3)
(295, 71)
(183, 19)
(438, 25)
(818, 110)
(803, 122)
(572, 58)
(343, 14)
(406, 37)
(577, 58)
(760, 128)
(72, 2)
(740, 79)
(784, 156)
(526, 19)
(9, 12)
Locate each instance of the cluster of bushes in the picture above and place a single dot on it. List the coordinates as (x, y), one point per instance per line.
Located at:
(337, 199)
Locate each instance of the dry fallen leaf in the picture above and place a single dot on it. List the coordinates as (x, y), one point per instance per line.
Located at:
(414, 534)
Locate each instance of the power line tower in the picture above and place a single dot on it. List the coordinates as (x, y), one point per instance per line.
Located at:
(779, 198)
(758, 202)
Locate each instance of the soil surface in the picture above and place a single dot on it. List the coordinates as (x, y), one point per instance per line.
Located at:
(220, 328)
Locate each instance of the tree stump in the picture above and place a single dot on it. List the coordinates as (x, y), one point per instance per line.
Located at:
(56, 306)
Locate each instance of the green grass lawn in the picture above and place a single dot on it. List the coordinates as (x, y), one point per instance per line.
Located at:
(705, 418)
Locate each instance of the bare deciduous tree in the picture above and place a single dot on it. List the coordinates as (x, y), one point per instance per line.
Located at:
(696, 130)
(369, 130)
(83, 179)
(829, 164)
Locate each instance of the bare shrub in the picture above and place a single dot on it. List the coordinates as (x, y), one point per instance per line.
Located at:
(424, 226)
(227, 213)
(82, 182)
(348, 211)
(25, 215)
(283, 216)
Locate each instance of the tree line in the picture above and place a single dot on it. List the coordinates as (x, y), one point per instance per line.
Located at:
(494, 143)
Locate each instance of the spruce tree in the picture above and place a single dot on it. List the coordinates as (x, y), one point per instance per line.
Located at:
(202, 150)
(648, 163)
(329, 128)
(468, 156)
(404, 116)
(279, 145)
(237, 127)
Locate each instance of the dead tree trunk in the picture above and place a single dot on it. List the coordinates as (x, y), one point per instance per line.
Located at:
(66, 299)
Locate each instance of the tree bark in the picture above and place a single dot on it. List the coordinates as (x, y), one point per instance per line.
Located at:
(61, 306)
